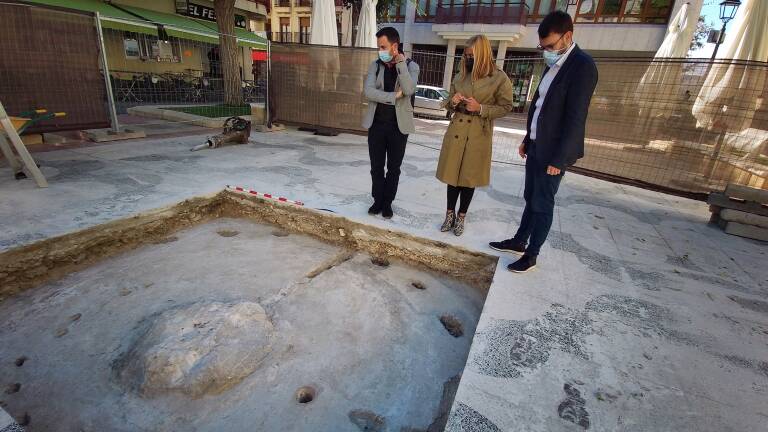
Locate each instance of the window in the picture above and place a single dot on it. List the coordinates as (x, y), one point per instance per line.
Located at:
(426, 10)
(131, 47)
(146, 47)
(623, 11)
(609, 11)
(538, 9)
(586, 11)
(304, 30)
(396, 13)
(633, 11)
(285, 30)
(657, 11)
(419, 91)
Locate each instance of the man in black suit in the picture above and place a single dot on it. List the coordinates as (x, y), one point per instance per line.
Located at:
(555, 138)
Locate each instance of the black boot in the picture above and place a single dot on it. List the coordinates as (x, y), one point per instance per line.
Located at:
(524, 264)
(508, 245)
(387, 212)
(375, 209)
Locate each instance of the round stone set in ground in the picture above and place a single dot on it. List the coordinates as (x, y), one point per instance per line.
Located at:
(197, 349)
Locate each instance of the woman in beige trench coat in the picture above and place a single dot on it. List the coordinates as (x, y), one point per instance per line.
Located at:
(480, 93)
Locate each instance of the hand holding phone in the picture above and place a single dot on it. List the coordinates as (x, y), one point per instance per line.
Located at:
(472, 104)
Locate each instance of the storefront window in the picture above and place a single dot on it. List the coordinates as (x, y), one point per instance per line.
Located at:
(150, 48)
(131, 47)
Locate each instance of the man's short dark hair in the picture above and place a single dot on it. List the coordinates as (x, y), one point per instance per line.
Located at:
(555, 22)
(391, 33)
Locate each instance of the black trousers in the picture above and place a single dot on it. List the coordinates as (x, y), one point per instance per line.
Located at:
(466, 194)
(386, 146)
(539, 194)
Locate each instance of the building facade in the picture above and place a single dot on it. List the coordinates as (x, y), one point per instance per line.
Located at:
(290, 21)
(604, 28)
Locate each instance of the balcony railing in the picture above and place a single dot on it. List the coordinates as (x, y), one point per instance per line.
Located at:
(294, 37)
(302, 3)
(481, 12)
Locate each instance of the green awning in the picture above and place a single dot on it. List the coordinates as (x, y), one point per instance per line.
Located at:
(192, 29)
(140, 20)
(111, 17)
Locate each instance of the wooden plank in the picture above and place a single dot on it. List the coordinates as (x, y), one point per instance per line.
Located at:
(746, 193)
(731, 215)
(742, 230)
(21, 149)
(8, 154)
(720, 200)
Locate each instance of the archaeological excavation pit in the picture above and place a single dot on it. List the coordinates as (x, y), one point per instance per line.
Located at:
(228, 312)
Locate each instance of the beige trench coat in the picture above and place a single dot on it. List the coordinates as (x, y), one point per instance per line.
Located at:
(465, 158)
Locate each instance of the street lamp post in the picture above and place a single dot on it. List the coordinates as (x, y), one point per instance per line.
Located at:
(728, 10)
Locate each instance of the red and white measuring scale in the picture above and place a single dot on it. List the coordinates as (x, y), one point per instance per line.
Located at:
(263, 195)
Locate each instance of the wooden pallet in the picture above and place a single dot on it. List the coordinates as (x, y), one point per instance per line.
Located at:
(741, 211)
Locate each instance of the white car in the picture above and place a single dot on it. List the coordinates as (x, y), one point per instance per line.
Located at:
(429, 99)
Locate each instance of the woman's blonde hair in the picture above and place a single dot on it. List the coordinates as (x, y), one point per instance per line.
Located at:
(483, 53)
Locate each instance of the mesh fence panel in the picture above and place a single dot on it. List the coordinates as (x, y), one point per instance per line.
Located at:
(319, 85)
(61, 73)
(641, 126)
(663, 123)
(181, 74)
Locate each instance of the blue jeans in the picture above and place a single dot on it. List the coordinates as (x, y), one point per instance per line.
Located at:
(539, 194)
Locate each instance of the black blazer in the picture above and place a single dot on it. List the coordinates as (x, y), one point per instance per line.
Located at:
(561, 123)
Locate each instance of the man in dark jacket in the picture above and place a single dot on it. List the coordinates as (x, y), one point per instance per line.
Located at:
(555, 138)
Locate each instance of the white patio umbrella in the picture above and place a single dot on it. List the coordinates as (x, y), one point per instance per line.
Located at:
(346, 23)
(366, 25)
(659, 88)
(730, 93)
(680, 32)
(323, 23)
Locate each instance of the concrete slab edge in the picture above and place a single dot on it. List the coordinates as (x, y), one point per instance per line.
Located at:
(50, 259)
(721, 200)
(744, 218)
(8, 424)
(742, 230)
(747, 193)
(181, 117)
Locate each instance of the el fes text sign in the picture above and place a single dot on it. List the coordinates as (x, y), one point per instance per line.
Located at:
(207, 13)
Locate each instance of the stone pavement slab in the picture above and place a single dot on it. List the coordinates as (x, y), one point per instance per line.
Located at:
(609, 333)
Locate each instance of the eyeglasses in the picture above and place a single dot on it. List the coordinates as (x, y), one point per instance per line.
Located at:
(469, 56)
(550, 46)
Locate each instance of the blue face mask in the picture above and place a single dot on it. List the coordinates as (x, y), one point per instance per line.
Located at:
(385, 56)
(551, 57)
